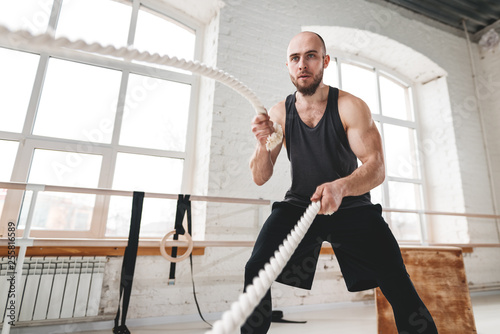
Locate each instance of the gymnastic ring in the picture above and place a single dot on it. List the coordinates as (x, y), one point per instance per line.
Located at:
(179, 258)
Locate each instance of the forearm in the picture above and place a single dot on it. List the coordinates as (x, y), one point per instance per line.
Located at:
(261, 165)
(363, 179)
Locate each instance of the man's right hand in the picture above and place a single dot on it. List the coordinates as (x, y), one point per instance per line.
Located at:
(262, 127)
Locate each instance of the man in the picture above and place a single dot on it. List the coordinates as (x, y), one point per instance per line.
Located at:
(326, 131)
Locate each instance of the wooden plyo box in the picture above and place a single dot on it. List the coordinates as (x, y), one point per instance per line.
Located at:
(438, 275)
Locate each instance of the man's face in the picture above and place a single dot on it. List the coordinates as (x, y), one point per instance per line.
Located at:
(306, 62)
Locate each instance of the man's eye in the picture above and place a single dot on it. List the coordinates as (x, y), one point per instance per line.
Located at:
(310, 55)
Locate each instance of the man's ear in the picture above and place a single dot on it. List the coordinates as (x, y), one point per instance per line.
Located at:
(326, 61)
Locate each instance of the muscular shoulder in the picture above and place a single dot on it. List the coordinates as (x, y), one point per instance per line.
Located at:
(353, 110)
(278, 113)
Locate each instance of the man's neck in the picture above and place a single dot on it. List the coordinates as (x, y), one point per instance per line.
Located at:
(319, 96)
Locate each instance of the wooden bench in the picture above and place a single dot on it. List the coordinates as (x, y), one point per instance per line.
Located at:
(438, 274)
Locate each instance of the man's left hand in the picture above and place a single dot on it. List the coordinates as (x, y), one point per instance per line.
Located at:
(330, 195)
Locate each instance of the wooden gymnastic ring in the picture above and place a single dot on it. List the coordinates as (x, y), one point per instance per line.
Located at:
(179, 258)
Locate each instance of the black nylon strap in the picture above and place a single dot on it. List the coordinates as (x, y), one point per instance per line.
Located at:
(183, 206)
(128, 265)
(190, 231)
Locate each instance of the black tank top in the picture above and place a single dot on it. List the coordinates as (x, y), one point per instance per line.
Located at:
(318, 155)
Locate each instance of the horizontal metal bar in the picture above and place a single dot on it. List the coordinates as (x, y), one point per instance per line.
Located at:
(99, 191)
(441, 213)
(205, 243)
(111, 192)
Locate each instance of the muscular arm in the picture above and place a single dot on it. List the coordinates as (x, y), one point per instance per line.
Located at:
(262, 161)
(365, 142)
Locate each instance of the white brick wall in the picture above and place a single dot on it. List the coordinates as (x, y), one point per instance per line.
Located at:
(488, 87)
(251, 42)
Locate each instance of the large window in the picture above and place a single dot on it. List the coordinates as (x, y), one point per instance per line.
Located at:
(86, 120)
(390, 101)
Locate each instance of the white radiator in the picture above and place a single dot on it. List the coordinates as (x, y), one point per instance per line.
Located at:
(55, 287)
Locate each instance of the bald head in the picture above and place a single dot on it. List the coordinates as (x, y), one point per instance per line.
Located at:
(307, 39)
(306, 62)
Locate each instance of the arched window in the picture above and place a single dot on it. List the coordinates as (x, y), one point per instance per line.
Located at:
(79, 119)
(390, 100)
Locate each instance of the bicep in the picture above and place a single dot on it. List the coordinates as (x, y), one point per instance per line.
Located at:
(366, 143)
(363, 136)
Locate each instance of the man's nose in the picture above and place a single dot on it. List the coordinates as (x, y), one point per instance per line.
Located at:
(302, 64)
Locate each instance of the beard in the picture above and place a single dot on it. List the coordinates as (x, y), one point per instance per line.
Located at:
(311, 88)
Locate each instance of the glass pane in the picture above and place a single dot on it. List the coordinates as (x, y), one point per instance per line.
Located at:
(405, 226)
(394, 99)
(361, 82)
(376, 195)
(62, 211)
(3, 194)
(158, 216)
(8, 152)
(78, 102)
(59, 211)
(330, 76)
(144, 173)
(30, 15)
(159, 34)
(65, 168)
(156, 114)
(404, 195)
(148, 173)
(76, 15)
(401, 152)
(17, 74)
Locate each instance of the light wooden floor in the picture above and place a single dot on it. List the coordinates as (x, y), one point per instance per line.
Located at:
(354, 318)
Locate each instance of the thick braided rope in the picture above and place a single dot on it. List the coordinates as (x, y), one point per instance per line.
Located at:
(241, 309)
(46, 42)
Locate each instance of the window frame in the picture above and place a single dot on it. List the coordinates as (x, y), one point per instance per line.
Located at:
(28, 142)
(380, 69)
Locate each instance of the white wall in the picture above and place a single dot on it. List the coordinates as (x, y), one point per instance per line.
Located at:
(251, 42)
(479, 264)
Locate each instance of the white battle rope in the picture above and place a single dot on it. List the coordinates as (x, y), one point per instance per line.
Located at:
(241, 309)
(47, 42)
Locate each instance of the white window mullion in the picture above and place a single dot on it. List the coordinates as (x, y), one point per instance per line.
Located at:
(120, 109)
(189, 156)
(405, 180)
(339, 74)
(29, 122)
(100, 215)
(380, 119)
(133, 22)
(54, 16)
(394, 121)
(424, 221)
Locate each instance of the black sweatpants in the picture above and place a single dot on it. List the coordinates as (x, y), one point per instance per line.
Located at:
(365, 248)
